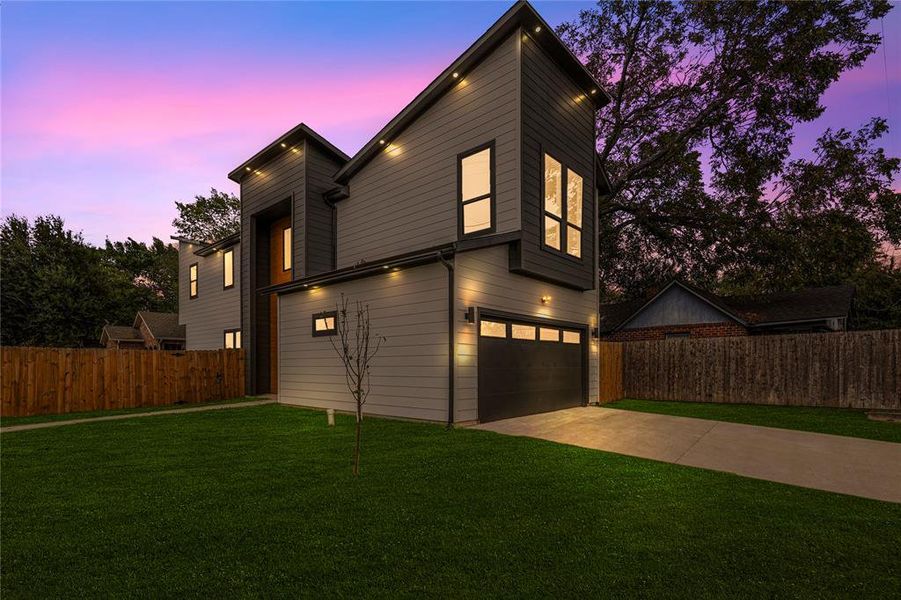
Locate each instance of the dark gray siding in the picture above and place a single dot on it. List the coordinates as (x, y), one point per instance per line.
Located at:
(677, 307)
(483, 280)
(215, 309)
(405, 198)
(319, 229)
(409, 374)
(281, 180)
(554, 121)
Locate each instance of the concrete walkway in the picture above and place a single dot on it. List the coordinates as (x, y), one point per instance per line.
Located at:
(826, 462)
(134, 415)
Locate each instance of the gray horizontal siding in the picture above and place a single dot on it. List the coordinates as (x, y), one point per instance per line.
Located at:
(677, 307)
(483, 280)
(215, 309)
(318, 227)
(406, 199)
(409, 374)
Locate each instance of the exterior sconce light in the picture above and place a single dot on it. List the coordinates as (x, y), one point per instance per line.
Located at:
(545, 300)
(595, 332)
(470, 314)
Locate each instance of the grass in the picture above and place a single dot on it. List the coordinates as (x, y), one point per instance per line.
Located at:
(260, 501)
(836, 421)
(11, 421)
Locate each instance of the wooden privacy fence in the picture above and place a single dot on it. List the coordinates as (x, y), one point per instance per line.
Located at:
(39, 381)
(856, 369)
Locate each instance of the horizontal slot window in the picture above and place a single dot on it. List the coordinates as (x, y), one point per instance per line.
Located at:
(493, 329)
(523, 332)
(547, 334)
(572, 337)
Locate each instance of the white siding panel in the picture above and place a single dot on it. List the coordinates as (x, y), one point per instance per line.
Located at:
(409, 374)
(483, 280)
(406, 199)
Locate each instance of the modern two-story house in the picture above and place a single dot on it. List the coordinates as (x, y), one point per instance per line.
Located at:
(467, 224)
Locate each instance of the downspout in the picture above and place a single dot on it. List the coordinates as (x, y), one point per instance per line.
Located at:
(450, 339)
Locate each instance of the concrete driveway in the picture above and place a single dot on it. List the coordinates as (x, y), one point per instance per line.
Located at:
(826, 462)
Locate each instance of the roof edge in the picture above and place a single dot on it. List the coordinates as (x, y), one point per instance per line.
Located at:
(675, 281)
(300, 132)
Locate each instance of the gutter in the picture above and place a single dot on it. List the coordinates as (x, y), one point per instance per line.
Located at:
(450, 338)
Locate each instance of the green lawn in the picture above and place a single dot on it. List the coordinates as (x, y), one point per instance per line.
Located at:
(260, 501)
(11, 421)
(837, 421)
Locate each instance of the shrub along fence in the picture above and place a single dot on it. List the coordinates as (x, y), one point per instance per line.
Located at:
(856, 369)
(39, 381)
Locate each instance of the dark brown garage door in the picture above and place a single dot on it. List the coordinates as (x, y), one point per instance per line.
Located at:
(527, 368)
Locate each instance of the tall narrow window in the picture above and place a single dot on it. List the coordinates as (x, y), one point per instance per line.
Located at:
(192, 277)
(286, 249)
(562, 219)
(476, 183)
(228, 268)
(232, 339)
(573, 214)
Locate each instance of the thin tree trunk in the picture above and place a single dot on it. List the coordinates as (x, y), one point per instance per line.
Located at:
(357, 441)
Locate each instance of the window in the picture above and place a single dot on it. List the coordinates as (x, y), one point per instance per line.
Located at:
(546, 334)
(493, 329)
(325, 323)
(562, 219)
(523, 332)
(572, 337)
(476, 183)
(286, 249)
(192, 276)
(232, 339)
(228, 269)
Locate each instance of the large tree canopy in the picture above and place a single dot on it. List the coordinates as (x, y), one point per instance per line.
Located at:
(705, 96)
(208, 218)
(58, 290)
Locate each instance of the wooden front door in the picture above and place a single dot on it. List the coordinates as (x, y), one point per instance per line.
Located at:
(281, 260)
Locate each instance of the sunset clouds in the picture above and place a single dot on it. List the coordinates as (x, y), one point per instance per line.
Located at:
(111, 112)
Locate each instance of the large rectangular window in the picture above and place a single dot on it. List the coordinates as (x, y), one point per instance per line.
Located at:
(562, 217)
(228, 268)
(286, 249)
(476, 183)
(325, 323)
(192, 278)
(232, 339)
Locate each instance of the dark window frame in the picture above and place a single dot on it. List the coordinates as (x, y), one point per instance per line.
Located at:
(224, 252)
(234, 339)
(193, 293)
(564, 206)
(324, 315)
(290, 252)
(492, 194)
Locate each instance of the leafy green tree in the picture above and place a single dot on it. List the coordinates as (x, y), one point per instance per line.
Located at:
(720, 84)
(152, 268)
(208, 218)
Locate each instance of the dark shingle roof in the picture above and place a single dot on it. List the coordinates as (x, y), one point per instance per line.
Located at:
(163, 326)
(800, 305)
(122, 333)
(759, 309)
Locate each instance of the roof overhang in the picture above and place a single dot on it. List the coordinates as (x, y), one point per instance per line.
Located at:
(286, 142)
(675, 282)
(222, 244)
(520, 14)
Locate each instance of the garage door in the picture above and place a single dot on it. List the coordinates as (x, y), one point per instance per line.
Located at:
(527, 368)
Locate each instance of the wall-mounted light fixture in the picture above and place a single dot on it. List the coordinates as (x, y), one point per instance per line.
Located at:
(595, 332)
(470, 314)
(546, 300)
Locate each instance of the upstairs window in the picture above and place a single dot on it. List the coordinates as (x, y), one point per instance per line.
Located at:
(232, 339)
(476, 184)
(192, 278)
(325, 323)
(562, 215)
(228, 269)
(286, 249)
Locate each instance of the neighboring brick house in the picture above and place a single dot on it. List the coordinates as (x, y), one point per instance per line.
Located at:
(150, 331)
(680, 310)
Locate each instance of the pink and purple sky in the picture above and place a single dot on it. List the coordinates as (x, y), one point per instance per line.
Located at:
(112, 111)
